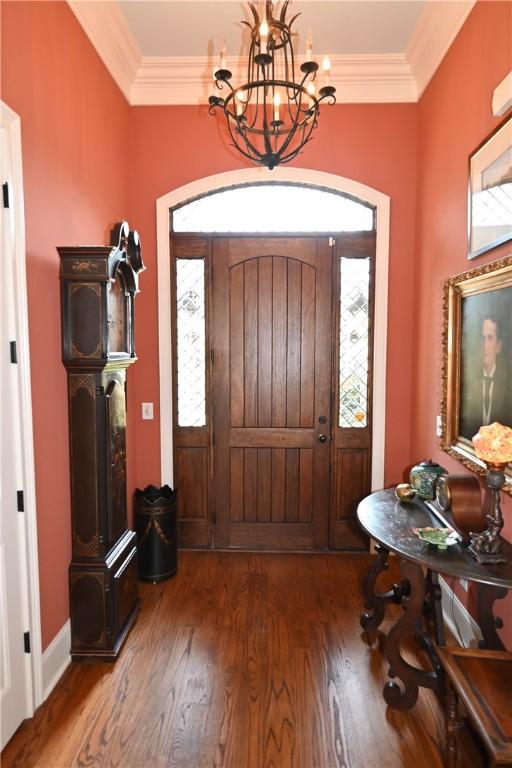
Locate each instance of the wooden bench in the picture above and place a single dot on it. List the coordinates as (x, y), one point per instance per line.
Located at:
(482, 681)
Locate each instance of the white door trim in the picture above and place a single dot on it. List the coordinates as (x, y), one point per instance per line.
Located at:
(261, 175)
(12, 125)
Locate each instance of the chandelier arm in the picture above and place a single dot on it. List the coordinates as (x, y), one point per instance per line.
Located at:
(250, 126)
(266, 140)
(311, 75)
(253, 153)
(250, 67)
(297, 127)
(288, 139)
(220, 83)
(288, 68)
(257, 86)
(308, 114)
(229, 101)
(293, 93)
(255, 14)
(295, 152)
(237, 144)
(331, 98)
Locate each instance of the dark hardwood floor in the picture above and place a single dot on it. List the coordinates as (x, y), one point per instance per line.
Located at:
(242, 660)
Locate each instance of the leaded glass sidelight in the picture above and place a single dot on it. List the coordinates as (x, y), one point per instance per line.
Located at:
(354, 341)
(191, 344)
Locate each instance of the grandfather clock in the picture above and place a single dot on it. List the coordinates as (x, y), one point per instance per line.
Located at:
(98, 286)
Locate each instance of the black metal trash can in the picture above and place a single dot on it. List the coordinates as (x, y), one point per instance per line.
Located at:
(156, 525)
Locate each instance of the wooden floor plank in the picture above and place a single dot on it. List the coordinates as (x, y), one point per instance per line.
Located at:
(242, 660)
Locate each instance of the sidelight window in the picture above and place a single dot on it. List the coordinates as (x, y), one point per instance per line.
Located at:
(354, 341)
(191, 342)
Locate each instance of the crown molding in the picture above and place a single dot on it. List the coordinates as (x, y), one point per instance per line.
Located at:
(188, 80)
(107, 29)
(358, 79)
(437, 28)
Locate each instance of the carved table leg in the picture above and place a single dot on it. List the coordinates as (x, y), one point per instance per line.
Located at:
(486, 595)
(434, 605)
(406, 626)
(433, 629)
(453, 724)
(375, 603)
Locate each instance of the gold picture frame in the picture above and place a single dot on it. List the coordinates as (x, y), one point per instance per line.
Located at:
(477, 340)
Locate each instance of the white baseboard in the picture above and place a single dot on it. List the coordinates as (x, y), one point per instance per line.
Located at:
(56, 658)
(460, 622)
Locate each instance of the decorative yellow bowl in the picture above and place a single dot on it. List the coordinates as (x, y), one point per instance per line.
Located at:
(404, 492)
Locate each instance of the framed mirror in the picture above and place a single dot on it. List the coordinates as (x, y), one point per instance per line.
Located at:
(490, 191)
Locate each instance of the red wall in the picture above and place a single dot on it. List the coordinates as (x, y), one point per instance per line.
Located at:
(374, 144)
(74, 136)
(455, 115)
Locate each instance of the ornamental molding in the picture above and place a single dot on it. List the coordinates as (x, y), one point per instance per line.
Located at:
(437, 28)
(358, 79)
(189, 80)
(107, 29)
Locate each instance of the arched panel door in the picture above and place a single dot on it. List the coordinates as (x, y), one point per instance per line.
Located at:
(271, 391)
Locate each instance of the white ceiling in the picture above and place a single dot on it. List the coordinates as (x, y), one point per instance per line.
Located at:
(163, 51)
(184, 28)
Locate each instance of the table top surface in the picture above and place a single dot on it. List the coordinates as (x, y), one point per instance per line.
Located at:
(391, 523)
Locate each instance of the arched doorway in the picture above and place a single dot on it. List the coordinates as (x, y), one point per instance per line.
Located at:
(260, 456)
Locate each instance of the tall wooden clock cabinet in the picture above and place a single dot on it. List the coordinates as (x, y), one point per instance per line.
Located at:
(98, 287)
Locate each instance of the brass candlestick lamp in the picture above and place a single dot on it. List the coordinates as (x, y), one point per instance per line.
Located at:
(493, 444)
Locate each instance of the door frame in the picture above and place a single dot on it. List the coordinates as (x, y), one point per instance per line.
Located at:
(29, 566)
(258, 175)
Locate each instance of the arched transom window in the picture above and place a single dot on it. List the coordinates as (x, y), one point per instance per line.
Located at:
(275, 208)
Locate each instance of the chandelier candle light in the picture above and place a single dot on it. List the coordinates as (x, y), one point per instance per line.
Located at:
(272, 116)
(493, 444)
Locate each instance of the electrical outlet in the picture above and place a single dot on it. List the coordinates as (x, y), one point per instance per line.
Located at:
(438, 426)
(464, 584)
(147, 410)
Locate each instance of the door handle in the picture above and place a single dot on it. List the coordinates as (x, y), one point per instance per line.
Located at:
(322, 438)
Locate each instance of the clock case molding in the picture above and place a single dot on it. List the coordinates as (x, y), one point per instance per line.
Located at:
(98, 287)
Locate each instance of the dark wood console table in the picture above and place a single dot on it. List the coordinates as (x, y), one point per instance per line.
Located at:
(390, 523)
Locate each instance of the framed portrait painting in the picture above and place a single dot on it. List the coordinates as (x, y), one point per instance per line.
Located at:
(490, 191)
(477, 358)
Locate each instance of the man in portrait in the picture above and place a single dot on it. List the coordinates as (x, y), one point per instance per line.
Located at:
(487, 389)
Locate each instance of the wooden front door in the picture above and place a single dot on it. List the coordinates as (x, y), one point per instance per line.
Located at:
(271, 391)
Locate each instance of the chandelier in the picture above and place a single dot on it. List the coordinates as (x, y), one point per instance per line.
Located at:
(272, 116)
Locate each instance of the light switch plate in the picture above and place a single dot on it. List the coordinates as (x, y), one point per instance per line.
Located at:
(147, 410)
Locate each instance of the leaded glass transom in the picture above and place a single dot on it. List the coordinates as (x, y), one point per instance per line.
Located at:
(274, 208)
(191, 345)
(354, 341)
